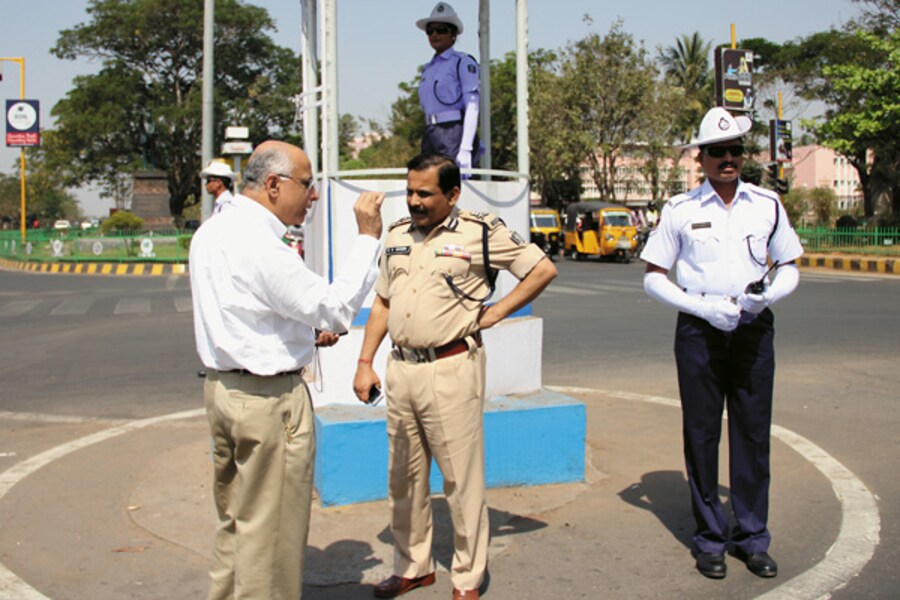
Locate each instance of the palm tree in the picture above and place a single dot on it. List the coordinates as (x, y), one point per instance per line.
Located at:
(686, 66)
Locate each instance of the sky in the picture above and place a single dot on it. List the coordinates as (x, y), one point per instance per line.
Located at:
(380, 47)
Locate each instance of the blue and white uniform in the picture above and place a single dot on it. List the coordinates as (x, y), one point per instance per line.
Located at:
(717, 250)
(449, 85)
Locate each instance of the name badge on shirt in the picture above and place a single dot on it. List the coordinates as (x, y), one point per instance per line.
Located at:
(397, 250)
(705, 225)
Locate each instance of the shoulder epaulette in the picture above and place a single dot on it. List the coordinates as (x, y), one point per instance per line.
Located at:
(398, 222)
(480, 216)
(763, 191)
(694, 194)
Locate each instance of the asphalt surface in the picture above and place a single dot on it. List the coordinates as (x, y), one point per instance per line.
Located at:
(130, 516)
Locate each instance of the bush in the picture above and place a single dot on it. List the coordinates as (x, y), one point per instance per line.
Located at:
(122, 221)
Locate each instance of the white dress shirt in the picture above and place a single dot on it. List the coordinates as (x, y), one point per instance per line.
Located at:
(255, 301)
(224, 201)
(718, 249)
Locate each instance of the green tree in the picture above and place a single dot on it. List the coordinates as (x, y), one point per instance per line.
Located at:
(122, 221)
(606, 86)
(143, 108)
(823, 201)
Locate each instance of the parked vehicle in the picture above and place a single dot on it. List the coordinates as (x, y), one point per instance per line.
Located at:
(545, 230)
(600, 229)
(61, 224)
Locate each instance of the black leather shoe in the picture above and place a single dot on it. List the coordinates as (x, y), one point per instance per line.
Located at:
(711, 565)
(395, 585)
(759, 563)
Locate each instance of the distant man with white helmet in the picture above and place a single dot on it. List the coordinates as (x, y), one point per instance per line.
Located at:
(449, 91)
(219, 182)
(720, 237)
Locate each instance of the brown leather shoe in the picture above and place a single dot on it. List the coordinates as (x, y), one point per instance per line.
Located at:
(395, 585)
(465, 594)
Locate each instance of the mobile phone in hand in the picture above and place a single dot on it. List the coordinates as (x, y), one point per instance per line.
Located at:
(375, 395)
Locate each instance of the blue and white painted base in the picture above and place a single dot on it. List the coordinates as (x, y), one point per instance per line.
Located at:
(529, 440)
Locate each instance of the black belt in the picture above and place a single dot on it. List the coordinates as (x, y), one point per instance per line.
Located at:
(252, 374)
(421, 355)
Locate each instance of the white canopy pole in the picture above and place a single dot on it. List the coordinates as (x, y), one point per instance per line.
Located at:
(309, 72)
(484, 59)
(523, 163)
(330, 91)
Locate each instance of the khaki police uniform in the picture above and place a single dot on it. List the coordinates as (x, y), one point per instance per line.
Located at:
(435, 381)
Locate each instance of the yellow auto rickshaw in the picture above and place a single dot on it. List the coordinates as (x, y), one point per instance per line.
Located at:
(545, 230)
(600, 229)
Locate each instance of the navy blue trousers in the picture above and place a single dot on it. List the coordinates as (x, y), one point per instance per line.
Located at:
(737, 368)
(446, 138)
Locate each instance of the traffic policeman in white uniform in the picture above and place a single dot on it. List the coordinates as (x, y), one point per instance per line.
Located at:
(219, 182)
(437, 270)
(720, 237)
(449, 91)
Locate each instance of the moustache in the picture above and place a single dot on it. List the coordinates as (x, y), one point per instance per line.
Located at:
(417, 210)
(726, 165)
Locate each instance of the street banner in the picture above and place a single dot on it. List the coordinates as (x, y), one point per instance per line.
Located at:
(734, 79)
(23, 123)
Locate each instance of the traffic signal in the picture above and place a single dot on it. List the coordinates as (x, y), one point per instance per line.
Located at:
(772, 173)
(781, 186)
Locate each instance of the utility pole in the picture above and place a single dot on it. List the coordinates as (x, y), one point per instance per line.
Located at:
(21, 61)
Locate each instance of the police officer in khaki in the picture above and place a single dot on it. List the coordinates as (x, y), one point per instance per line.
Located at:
(437, 271)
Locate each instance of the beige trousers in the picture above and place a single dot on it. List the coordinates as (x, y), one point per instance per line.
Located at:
(436, 409)
(263, 454)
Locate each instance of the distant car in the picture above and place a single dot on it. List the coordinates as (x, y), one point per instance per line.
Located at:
(61, 224)
(89, 224)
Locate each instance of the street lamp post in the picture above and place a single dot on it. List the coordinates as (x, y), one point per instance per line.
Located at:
(21, 61)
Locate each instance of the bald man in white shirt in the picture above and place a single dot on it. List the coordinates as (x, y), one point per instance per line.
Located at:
(256, 311)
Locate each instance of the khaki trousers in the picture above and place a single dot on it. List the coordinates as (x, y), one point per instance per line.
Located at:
(263, 455)
(436, 409)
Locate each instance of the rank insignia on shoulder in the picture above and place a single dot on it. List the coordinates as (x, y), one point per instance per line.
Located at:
(517, 239)
(399, 222)
(397, 250)
(471, 68)
(479, 215)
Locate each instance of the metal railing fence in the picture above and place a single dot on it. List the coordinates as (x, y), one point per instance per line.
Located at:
(875, 240)
(48, 245)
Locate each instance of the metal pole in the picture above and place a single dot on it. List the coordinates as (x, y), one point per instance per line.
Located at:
(780, 117)
(524, 163)
(20, 60)
(484, 59)
(206, 151)
(309, 72)
(330, 92)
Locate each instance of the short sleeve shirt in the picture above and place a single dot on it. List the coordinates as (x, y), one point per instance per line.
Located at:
(718, 249)
(425, 312)
(449, 82)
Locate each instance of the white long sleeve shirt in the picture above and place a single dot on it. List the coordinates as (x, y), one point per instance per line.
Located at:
(256, 304)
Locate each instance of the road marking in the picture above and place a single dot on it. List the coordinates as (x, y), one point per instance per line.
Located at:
(571, 291)
(73, 306)
(17, 308)
(183, 304)
(132, 306)
(860, 521)
(853, 548)
(12, 587)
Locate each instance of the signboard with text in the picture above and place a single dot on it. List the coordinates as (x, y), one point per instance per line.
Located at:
(23, 123)
(734, 79)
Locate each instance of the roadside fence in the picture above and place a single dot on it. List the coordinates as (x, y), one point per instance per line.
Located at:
(48, 245)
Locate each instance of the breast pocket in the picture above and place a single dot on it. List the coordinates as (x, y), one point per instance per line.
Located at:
(398, 271)
(457, 269)
(757, 243)
(447, 90)
(703, 246)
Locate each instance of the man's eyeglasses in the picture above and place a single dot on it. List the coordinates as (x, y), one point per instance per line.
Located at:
(305, 183)
(440, 29)
(719, 151)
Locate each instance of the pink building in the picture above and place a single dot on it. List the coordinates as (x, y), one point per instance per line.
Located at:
(818, 166)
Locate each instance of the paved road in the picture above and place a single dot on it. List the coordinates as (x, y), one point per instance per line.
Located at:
(83, 348)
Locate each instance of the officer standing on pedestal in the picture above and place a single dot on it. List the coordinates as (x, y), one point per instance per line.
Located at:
(449, 91)
(720, 236)
(437, 270)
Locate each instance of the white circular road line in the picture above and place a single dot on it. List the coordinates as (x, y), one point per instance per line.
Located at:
(854, 547)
